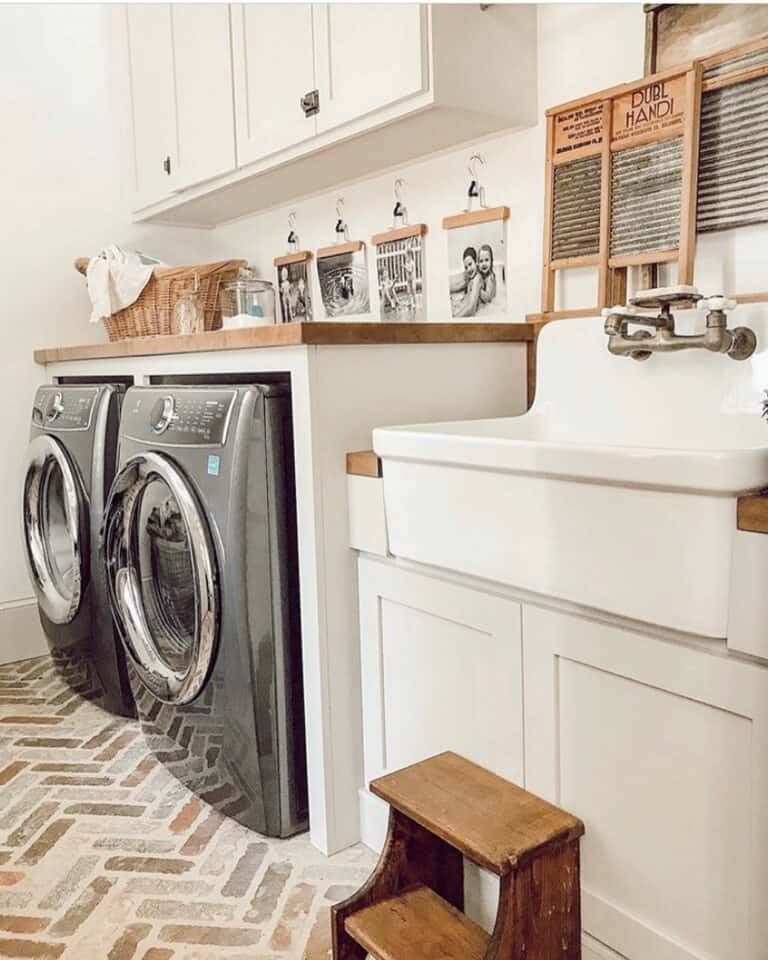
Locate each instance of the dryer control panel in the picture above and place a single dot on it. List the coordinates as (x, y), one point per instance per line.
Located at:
(64, 408)
(170, 416)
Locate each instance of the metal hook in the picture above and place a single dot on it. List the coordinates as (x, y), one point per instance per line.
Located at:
(293, 237)
(476, 189)
(342, 231)
(400, 212)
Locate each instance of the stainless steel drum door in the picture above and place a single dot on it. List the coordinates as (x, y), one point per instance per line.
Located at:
(162, 576)
(55, 529)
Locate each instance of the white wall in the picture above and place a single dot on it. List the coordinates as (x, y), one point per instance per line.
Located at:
(62, 167)
(582, 47)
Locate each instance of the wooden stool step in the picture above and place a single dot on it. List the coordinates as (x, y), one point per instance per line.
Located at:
(417, 925)
(442, 810)
(490, 820)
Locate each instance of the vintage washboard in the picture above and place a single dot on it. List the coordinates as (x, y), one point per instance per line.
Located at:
(733, 147)
(621, 176)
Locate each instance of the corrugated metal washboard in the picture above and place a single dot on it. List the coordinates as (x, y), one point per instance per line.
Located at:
(733, 154)
(646, 193)
(576, 208)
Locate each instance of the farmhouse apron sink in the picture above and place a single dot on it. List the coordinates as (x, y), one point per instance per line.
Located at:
(617, 490)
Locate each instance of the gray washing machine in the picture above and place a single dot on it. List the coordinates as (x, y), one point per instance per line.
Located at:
(70, 466)
(200, 546)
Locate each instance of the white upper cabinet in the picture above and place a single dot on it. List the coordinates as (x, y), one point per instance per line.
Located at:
(150, 50)
(322, 94)
(368, 56)
(272, 45)
(203, 81)
(181, 91)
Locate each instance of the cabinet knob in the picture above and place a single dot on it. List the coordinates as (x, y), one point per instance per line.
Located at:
(310, 103)
(167, 165)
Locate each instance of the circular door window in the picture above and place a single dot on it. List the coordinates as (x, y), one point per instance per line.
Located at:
(162, 576)
(55, 529)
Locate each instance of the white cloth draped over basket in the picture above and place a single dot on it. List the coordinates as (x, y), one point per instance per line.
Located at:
(116, 278)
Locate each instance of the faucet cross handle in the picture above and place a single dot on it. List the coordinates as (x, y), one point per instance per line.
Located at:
(719, 302)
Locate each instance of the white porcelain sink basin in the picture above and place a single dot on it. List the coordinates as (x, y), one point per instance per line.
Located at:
(616, 490)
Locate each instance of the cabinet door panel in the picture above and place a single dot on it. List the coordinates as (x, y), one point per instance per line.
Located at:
(203, 75)
(274, 68)
(150, 52)
(656, 746)
(441, 671)
(368, 55)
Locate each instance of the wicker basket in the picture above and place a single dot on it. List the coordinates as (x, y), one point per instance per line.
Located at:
(152, 314)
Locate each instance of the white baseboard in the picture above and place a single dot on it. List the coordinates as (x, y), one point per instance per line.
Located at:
(21, 636)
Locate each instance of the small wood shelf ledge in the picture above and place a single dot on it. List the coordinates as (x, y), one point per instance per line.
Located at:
(315, 333)
(752, 514)
(363, 463)
(442, 810)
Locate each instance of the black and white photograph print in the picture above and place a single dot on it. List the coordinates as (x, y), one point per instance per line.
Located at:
(293, 291)
(477, 269)
(400, 272)
(343, 281)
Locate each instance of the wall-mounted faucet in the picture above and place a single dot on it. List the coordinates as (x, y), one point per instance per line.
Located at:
(739, 343)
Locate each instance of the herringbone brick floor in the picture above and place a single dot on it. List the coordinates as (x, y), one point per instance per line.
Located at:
(104, 855)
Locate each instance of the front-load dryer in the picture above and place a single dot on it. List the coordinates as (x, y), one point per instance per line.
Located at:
(200, 545)
(70, 466)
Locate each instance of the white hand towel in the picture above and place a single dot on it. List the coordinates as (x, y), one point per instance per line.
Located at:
(116, 279)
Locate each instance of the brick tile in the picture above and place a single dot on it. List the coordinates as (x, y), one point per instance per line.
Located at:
(268, 892)
(141, 772)
(82, 908)
(66, 780)
(214, 936)
(319, 945)
(291, 924)
(16, 923)
(245, 870)
(45, 842)
(189, 911)
(199, 840)
(30, 948)
(32, 824)
(119, 743)
(24, 720)
(67, 767)
(186, 816)
(49, 743)
(148, 864)
(222, 792)
(103, 735)
(158, 953)
(9, 772)
(126, 945)
(66, 888)
(106, 809)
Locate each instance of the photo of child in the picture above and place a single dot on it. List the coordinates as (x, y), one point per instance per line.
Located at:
(293, 289)
(477, 257)
(400, 269)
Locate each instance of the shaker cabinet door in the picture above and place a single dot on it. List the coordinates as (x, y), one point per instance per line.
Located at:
(274, 69)
(203, 83)
(150, 53)
(368, 56)
(662, 749)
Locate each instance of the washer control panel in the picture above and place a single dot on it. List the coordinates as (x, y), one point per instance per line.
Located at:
(178, 417)
(64, 408)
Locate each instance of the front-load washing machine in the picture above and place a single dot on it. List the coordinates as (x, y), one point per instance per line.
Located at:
(70, 466)
(200, 546)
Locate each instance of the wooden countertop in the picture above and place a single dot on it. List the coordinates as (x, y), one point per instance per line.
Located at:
(296, 334)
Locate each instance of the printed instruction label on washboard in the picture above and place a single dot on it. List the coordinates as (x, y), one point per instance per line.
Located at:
(657, 108)
(579, 131)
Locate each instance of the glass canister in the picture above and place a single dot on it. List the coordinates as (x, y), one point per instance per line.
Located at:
(188, 314)
(247, 303)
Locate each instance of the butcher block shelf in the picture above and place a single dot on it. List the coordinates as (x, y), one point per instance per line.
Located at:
(316, 333)
(442, 810)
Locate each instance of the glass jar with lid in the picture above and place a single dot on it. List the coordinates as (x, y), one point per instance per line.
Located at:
(247, 302)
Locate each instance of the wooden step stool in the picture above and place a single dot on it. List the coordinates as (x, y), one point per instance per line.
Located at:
(441, 810)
